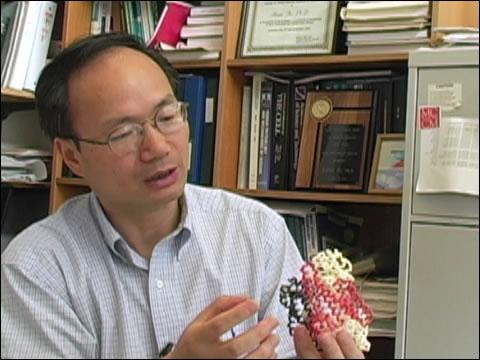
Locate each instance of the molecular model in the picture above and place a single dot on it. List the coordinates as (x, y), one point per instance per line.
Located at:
(326, 299)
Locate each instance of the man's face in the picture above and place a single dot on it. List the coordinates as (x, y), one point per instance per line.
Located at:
(125, 86)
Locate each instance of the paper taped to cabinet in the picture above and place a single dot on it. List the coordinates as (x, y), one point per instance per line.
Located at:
(449, 157)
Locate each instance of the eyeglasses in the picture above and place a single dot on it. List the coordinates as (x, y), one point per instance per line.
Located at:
(127, 138)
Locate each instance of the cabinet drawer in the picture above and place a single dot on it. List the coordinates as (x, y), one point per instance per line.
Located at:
(442, 301)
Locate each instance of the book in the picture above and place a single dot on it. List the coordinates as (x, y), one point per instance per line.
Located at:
(212, 3)
(385, 25)
(279, 142)
(190, 31)
(264, 152)
(388, 42)
(375, 10)
(169, 26)
(243, 157)
(399, 104)
(255, 130)
(383, 328)
(187, 55)
(385, 48)
(206, 20)
(214, 43)
(41, 43)
(15, 79)
(208, 147)
(383, 261)
(207, 10)
(305, 227)
(9, 12)
(195, 95)
(387, 35)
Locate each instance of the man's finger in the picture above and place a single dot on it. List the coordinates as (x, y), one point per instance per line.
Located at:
(220, 305)
(329, 347)
(252, 338)
(266, 350)
(226, 320)
(347, 344)
(304, 345)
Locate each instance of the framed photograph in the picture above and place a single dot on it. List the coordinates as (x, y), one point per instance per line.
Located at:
(282, 28)
(386, 176)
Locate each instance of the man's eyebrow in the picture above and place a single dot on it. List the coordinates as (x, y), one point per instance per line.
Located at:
(111, 123)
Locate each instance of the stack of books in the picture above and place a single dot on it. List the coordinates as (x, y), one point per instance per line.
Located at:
(204, 28)
(386, 26)
(201, 37)
(381, 294)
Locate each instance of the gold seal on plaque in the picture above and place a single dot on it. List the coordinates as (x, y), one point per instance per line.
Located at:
(321, 108)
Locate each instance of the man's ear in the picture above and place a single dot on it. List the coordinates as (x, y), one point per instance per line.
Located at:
(70, 155)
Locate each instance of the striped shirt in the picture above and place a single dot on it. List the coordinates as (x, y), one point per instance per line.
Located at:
(72, 287)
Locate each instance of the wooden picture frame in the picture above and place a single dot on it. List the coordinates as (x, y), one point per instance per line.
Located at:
(273, 28)
(334, 140)
(386, 176)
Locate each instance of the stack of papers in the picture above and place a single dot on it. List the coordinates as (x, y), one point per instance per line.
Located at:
(23, 169)
(386, 26)
(456, 36)
(26, 151)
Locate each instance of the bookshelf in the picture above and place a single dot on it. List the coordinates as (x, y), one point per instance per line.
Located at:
(76, 17)
(321, 196)
(76, 23)
(25, 185)
(11, 95)
(326, 62)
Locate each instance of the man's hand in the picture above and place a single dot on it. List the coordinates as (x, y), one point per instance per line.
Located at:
(201, 339)
(339, 346)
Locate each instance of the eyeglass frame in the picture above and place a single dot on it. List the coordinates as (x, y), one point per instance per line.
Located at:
(182, 109)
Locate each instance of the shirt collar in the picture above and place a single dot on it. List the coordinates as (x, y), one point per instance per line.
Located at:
(119, 246)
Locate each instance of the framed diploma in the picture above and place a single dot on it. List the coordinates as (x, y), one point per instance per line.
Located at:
(280, 28)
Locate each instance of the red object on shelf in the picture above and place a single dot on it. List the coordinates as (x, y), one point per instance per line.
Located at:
(173, 18)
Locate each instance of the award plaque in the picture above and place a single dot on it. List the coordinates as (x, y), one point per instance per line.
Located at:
(334, 140)
(280, 28)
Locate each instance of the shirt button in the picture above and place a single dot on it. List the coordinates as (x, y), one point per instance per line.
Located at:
(160, 284)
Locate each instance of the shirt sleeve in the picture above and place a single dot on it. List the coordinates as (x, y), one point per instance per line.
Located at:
(283, 261)
(38, 320)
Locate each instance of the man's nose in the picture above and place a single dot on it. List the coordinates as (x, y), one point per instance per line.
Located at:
(154, 144)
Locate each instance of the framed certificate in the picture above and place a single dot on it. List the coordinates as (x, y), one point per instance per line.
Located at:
(279, 28)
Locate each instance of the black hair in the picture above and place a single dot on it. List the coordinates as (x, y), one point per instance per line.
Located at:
(52, 87)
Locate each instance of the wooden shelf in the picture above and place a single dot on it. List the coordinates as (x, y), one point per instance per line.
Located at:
(330, 61)
(11, 95)
(27, 185)
(213, 64)
(322, 196)
(71, 182)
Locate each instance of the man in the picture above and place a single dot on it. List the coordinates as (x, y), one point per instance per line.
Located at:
(144, 261)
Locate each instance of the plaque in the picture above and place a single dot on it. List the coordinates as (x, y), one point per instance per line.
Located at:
(339, 163)
(334, 140)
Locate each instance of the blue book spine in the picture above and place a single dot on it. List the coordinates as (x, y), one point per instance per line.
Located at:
(195, 94)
